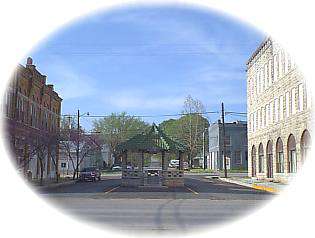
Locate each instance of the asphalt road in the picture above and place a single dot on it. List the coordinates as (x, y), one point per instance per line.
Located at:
(201, 203)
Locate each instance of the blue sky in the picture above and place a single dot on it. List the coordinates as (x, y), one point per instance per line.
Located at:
(146, 60)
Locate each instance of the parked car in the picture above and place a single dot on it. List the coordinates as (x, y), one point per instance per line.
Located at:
(90, 173)
(116, 168)
(185, 165)
(174, 163)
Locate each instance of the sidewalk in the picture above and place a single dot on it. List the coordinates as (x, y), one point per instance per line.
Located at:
(271, 187)
(51, 183)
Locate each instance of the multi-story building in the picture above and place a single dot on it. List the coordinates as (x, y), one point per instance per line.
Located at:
(32, 113)
(235, 145)
(279, 114)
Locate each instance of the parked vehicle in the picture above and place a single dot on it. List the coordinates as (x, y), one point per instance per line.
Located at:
(116, 168)
(90, 174)
(174, 163)
(185, 165)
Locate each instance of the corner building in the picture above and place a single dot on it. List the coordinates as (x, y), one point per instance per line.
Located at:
(32, 115)
(279, 114)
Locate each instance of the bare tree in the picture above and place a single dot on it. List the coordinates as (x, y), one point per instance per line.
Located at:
(71, 139)
(193, 124)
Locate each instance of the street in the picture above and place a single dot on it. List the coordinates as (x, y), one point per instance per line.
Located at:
(201, 203)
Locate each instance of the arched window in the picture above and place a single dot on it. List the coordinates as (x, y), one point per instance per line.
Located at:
(254, 161)
(279, 156)
(261, 158)
(269, 160)
(292, 160)
(305, 144)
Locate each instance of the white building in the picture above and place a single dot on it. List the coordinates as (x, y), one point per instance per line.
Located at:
(279, 114)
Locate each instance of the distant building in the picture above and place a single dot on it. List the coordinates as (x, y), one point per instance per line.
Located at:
(32, 113)
(279, 114)
(94, 156)
(235, 144)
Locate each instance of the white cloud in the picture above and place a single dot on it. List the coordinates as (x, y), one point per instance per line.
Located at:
(68, 82)
(126, 100)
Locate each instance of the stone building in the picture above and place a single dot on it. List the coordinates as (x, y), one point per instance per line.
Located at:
(32, 114)
(235, 144)
(279, 114)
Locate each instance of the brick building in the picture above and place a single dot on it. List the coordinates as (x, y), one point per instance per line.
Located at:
(279, 114)
(32, 116)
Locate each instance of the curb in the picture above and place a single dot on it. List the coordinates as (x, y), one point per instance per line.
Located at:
(254, 186)
(56, 185)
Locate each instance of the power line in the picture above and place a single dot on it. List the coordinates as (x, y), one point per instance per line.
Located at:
(148, 116)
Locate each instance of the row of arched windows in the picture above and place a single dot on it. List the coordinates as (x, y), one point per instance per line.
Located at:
(266, 157)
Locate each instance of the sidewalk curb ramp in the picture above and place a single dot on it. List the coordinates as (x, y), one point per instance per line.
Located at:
(254, 186)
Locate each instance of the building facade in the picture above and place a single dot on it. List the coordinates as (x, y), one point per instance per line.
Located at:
(235, 144)
(32, 115)
(279, 114)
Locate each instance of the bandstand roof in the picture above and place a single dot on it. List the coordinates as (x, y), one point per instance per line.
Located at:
(152, 140)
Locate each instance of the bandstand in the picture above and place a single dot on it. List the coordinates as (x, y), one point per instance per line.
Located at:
(145, 160)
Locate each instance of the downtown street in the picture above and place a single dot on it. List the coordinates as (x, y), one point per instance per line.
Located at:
(200, 203)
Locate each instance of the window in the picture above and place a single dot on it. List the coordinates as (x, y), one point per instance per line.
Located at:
(227, 140)
(263, 117)
(286, 62)
(253, 122)
(301, 98)
(292, 160)
(293, 101)
(271, 112)
(260, 159)
(287, 104)
(266, 76)
(281, 108)
(275, 67)
(267, 114)
(238, 158)
(276, 106)
(308, 97)
(279, 157)
(258, 119)
(280, 64)
(258, 82)
(262, 79)
(63, 165)
(270, 72)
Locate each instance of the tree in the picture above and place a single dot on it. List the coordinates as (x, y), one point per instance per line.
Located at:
(190, 127)
(72, 139)
(117, 128)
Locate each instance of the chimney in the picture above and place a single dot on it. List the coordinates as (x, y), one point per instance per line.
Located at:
(51, 87)
(29, 61)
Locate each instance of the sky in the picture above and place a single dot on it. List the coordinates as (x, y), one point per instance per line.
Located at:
(147, 60)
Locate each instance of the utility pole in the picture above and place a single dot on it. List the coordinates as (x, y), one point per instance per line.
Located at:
(224, 149)
(204, 149)
(78, 142)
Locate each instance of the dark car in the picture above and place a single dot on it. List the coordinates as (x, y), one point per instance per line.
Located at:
(90, 173)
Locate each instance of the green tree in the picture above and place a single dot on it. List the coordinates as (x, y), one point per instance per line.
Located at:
(190, 127)
(117, 128)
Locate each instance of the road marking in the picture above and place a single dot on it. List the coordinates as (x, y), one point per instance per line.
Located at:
(268, 189)
(111, 189)
(193, 191)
